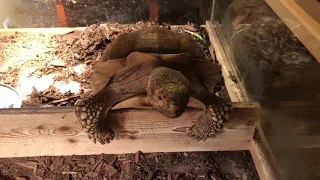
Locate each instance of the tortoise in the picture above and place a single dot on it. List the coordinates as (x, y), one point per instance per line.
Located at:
(165, 81)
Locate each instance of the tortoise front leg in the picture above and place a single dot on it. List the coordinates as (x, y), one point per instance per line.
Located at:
(91, 113)
(216, 113)
(211, 121)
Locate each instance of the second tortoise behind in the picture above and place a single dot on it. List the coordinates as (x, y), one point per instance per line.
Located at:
(165, 81)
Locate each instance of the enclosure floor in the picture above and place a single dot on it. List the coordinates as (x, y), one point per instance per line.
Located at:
(191, 165)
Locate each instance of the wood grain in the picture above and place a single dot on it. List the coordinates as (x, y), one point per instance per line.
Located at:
(312, 7)
(56, 131)
(260, 160)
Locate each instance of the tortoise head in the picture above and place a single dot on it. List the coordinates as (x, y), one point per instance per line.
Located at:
(168, 91)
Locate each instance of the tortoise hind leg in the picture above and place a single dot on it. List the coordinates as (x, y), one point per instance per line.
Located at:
(91, 112)
(211, 121)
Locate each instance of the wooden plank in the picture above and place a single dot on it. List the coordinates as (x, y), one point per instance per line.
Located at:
(262, 156)
(260, 160)
(232, 63)
(233, 88)
(304, 26)
(53, 31)
(50, 31)
(302, 15)
(56, 131)
(312, 7)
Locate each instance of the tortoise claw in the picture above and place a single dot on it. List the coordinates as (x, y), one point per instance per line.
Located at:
(102, 137)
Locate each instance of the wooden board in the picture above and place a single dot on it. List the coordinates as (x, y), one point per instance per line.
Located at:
(261, 160)
(56, 131)
(233, 87)
(298, 16)
(53, 31)
(311, 7)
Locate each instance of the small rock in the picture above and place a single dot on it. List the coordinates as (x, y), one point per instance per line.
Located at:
(58, 63)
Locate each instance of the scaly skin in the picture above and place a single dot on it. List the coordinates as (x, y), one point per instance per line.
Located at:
(211, 121)
(168, 91)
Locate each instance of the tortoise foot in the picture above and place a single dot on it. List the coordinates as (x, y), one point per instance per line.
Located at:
(90, 111)
(211, 121)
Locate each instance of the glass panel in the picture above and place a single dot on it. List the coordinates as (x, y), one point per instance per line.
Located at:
(77, 13)
(276, 69)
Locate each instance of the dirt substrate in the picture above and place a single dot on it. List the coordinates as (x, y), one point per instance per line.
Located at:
(166, 166)
(54, 70)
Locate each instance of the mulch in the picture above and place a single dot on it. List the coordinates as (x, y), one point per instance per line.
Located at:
(166, 166)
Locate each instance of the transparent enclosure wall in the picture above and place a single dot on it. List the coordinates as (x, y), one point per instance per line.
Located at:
(76, 13)
(273, 63)
(276, 68)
